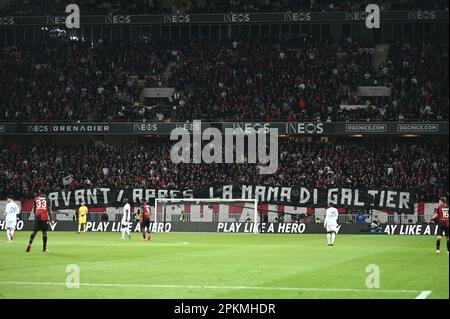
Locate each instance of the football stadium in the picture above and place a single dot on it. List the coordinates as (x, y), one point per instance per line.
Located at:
(217, 149)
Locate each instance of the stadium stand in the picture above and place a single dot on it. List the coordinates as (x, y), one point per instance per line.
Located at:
(420, 164)
(228, 80)
(52, 7)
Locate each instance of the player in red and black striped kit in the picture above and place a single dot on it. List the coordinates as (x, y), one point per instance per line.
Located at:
(441, 216)
(42, 215)
(146, 216)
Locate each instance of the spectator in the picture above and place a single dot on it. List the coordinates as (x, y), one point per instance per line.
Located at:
(361, 219)
(375, 225)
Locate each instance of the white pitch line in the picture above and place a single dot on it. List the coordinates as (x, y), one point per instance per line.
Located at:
(424, 294)
(26, 283)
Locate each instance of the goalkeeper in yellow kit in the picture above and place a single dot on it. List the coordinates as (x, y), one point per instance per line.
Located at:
(82, 216)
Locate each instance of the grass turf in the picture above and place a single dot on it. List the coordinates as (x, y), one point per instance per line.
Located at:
(211, 265)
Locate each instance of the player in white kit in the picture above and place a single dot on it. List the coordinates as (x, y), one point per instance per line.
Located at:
(11, 212)
(126, 218)
(331, 224)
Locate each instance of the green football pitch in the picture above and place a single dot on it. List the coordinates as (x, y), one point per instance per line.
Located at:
(213, 265)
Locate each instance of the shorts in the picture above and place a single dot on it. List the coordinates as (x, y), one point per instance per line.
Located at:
(82, 220)
(442, 229)
(331, 228)
(145, 223)
(11, 224)
(124, 224)
(40, 225)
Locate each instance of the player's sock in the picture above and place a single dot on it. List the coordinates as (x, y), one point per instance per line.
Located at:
(12, 234)
(79, 227)
(123, 234)
(31, 239)
(333, 237)
(44, 241)
(329, 238)
(143, 235)
(438, 245)
(31, 242)
(8, 234)
(149, 237)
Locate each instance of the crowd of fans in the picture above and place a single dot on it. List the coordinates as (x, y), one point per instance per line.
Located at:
(228, 80)
(290, 82)
(104, 7)
(419, 165)
(315, 5)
